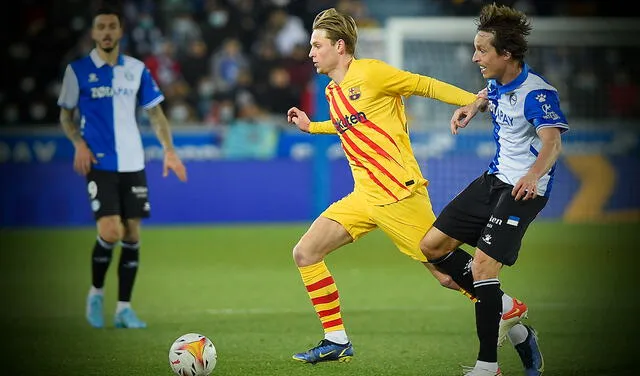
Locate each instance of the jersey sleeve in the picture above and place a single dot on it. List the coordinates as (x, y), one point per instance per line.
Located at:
(149, 94)
(70, 90)
(322, 127)
(399, 82)
(542, 109)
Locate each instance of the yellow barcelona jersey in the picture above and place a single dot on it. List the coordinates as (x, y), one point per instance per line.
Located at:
(368, 113)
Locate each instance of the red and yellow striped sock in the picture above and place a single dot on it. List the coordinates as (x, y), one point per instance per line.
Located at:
(323, 293)
(468, 295)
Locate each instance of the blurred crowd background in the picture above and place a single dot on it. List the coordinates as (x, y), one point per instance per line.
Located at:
(222, 61)
(230, 69)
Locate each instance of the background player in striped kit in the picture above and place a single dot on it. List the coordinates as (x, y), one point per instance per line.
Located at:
(106, 87)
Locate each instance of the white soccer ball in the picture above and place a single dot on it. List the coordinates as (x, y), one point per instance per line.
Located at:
(192, 354)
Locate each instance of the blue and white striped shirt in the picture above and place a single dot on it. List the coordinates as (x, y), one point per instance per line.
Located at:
(519, 110)
(107, 98)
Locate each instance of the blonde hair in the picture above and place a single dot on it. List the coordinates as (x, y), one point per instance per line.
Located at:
(338, 26)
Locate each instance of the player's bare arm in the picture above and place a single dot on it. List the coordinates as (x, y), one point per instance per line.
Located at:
(172, 161)
(526, 188)
(83, 157)
(299, 118)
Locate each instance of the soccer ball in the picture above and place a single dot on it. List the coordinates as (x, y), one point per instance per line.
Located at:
(192, 355)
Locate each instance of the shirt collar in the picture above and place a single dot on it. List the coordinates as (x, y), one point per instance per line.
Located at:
(97, 60)
(511, 86)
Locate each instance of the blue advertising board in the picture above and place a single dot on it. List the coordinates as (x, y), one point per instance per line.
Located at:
(307, 173)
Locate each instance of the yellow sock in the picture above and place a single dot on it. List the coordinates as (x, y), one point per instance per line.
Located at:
(324, 296)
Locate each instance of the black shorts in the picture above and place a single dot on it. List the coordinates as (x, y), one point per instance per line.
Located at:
(486, 216)
(118, 193)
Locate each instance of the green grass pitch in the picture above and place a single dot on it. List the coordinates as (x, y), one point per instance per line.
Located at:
(238, 285)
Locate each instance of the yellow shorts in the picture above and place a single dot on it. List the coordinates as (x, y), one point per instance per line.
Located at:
(405, 222)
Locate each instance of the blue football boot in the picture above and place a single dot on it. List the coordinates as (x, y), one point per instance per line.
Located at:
(94, 312)
(127, 319)
(326, 351)
(530, 354)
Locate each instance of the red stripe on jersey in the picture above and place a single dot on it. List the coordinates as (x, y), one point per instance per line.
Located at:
(320, 284)
(355, 148)
(359, 134)
(371, 175)
(325, 299)
(371, 160)
(355, 160)
(373, 145)
(367, 122)
(332, 323)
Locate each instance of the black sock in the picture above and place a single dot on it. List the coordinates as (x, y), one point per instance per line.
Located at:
(488, 311)
(458, 265)
(127, 269)
(100, 260)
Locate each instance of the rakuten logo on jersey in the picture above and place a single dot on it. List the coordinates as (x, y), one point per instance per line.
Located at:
(349, 120)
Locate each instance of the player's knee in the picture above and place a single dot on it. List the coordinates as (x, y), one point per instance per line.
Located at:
(302, 255)
(110, 231)
(430, 251)
(131, 232)
(298, 254)
(484, 268)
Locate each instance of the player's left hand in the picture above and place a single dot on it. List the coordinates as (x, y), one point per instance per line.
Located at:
(526, 188)
(173, 162)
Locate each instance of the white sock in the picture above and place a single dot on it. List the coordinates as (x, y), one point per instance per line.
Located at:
(122, 305)
(96, 291)
(337, 336)
(507, 303)
(518, 334)
(487, 366)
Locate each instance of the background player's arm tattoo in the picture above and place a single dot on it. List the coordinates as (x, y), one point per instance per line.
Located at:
(71, 128)
(160, 125)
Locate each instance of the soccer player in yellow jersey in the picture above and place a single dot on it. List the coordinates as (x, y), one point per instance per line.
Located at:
(367, 111)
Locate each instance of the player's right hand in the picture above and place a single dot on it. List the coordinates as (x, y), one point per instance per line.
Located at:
(83, 159)
(462, 116)
(299, 118)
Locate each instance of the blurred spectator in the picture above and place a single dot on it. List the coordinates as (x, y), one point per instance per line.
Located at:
(278, 96)
(221, 112)
(218, 24)
(263, 60)
(287, 30)
(143, 35)
(251, 135)
(299, 66)
(163, 65)
(184, 29)
(194, 63)
(248, 18)
(359, 11)
(180, 111)
(226, 63)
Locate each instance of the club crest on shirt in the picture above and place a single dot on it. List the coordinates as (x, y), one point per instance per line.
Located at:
(513, 99)
(354, 93)
(128, 75)
(93, 77)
